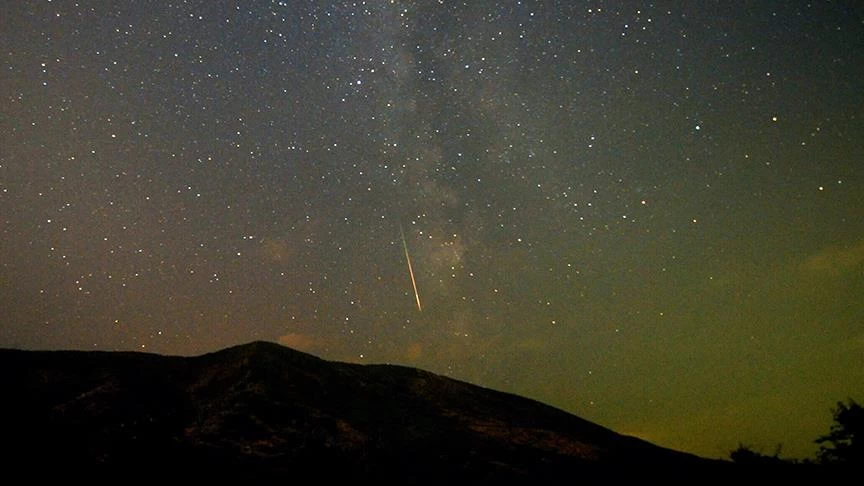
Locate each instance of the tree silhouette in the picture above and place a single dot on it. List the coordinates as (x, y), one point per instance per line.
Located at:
(845, 443)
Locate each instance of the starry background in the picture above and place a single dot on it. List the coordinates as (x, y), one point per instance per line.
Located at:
(648, 214)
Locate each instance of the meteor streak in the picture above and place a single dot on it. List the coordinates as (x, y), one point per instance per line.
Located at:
(410, 269)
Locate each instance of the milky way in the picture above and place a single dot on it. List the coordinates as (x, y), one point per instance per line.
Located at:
(647, 214)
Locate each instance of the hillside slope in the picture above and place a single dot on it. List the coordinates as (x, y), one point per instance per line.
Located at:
(264, 411)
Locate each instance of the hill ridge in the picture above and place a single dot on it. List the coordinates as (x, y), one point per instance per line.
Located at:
(261, 409)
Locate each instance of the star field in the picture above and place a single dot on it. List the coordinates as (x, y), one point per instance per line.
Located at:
(648, 214)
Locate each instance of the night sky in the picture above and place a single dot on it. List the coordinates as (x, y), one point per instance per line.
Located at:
(649, 214)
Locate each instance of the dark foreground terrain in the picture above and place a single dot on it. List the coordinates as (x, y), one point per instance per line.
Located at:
(266, 412)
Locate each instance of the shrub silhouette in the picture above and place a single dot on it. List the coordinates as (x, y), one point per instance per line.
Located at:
(745, 455)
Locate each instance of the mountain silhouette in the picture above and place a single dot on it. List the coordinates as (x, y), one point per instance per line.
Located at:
(261, 411)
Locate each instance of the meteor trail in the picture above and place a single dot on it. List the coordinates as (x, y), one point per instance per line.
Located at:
(410, 268)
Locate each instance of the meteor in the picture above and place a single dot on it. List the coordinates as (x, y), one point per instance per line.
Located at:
(410, 269)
